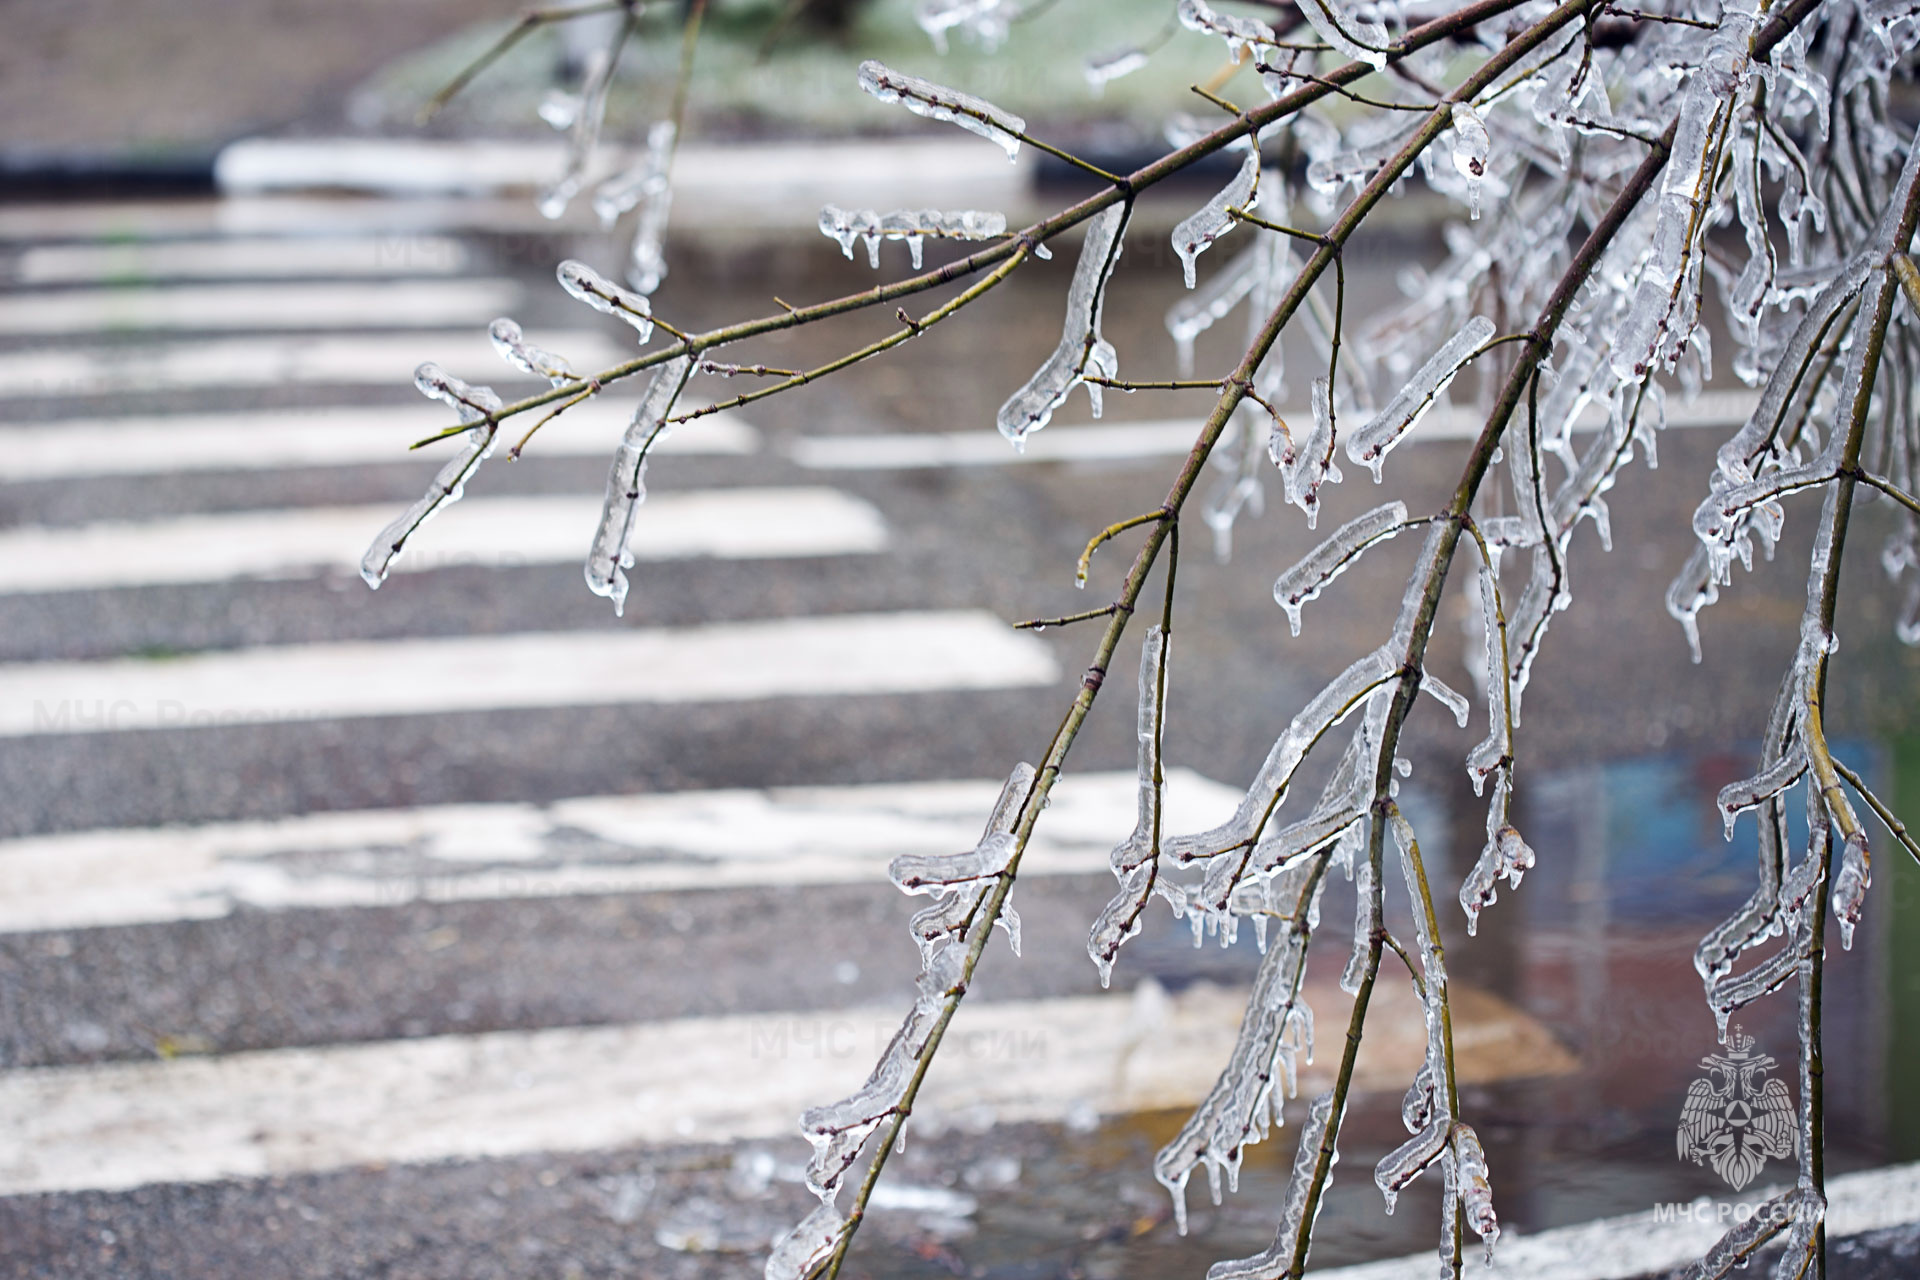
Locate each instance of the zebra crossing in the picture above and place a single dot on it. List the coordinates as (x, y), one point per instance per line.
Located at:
(160, 951)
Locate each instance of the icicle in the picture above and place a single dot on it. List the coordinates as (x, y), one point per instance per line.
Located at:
(516, 351)
(1437, 689)
(912, 225)
(1370, 445)
(1082, 351)
(473, 404)
(1193, 314)
(1361, 40)
(1506, 854)
(1198, 230)
(585, 284)
(1239, 33)
(1290, 1241)
(582, 116)
(798, 1253)
(1113, 64)
(625, 190)
(646, 261)
(1307, 579)
(1850, 886)
(1399, 1167)
(986, 20)
(1470, 155)
(626, 484)
(935, 102)
(1235, 1112)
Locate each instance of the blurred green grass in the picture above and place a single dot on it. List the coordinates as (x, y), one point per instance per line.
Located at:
(804, 85)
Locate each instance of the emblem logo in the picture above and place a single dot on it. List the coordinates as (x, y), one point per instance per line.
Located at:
(1736, 1118)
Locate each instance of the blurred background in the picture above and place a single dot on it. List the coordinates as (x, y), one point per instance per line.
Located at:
(464, 929)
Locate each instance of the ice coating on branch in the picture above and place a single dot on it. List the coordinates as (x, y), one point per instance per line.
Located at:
(651, 186)
(1737, 797)
(1307, 579)
(936, 102)
(1239, 33)
(985, 20)
(915, 226)
(798, 1253)
(1370, 445)
(1296, 1227)
(1082, 352)
(628, 188)
(585, 284)
(473, 404)
(1366, 918)
(1345, 694)
(1399, 1167)
(962, 881)
(1277, 1029)
(1306, 464)
(1360, 39)
(1198, 230)
(1470, 149)
(581, 115)
(934, 873)
(612, 551)
(1506, 854)
(1101, 68)
(516, 351)
(1476, 1193)
(1133, 859)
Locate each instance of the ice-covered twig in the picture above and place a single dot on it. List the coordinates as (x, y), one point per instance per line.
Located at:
(477, 405)
(1307, 579)
(585, 284)
(1082, 352)
(937, 102)
(612, 551)
(915, 226)
(1370, 445)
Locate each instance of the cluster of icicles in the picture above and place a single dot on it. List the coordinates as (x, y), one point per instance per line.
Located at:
(1807, 122)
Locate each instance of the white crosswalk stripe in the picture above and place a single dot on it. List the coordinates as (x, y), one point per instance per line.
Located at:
(728, 524)
(358, 360)
(269, 440)
(422, 304)
(397, 254)
(724, 662)
(250, 1115)
(474, 852)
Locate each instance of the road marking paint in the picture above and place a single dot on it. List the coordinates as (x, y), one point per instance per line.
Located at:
(287, 257)
(728, 524)
(1123, 441)
(266, 362)
(587, 845)
(281, 438)
(791, 657)
(371, 304)
(715, 1079)
(1662, 1239)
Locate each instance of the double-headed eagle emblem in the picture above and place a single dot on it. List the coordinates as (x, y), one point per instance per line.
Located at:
(1736, 1118)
